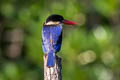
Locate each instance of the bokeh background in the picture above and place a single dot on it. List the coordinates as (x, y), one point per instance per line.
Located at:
(90, 50)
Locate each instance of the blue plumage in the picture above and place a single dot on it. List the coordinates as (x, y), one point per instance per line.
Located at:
(51, 42)
(51, 59)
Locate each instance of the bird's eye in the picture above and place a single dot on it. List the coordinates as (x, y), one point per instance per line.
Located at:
(61, 19)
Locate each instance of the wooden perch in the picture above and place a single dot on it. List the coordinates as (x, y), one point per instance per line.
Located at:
(52, 73)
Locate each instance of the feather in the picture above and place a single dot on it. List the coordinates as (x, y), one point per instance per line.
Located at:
(51, 41)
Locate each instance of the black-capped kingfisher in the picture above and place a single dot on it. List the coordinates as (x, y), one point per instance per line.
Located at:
(52, 36)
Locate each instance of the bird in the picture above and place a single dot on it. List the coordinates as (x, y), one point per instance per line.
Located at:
(52, 36)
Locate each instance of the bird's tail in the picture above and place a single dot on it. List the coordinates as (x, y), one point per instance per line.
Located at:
(51, 59)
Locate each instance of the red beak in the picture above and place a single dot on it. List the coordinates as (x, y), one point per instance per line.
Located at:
(69, 22)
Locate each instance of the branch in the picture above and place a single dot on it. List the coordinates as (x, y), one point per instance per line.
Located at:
(52, 73)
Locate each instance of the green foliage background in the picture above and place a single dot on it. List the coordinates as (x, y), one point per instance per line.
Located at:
(90, 50)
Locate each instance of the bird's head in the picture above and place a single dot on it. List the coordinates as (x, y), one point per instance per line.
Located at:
(58, 19)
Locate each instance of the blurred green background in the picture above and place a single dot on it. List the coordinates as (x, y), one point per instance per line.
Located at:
(90, 50)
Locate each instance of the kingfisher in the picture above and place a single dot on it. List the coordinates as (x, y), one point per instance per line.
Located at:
(52, 36)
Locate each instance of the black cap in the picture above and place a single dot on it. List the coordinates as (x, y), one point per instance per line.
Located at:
(55, 18)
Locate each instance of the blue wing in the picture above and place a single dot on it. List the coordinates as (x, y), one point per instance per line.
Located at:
(51, 38)
(45, 39)
(51, 42)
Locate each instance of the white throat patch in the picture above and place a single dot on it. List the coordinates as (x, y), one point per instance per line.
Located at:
(52, 23)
